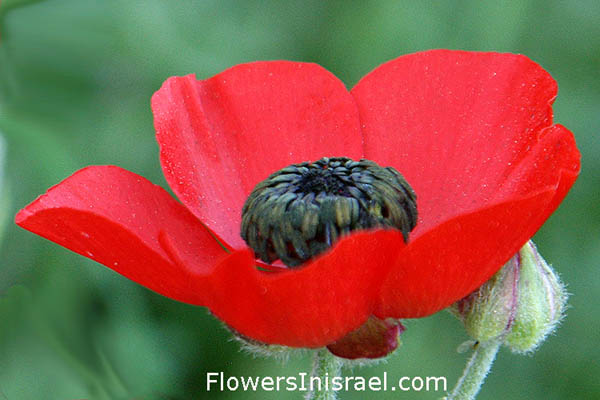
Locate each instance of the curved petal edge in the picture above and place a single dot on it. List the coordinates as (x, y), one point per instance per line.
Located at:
(126, 223)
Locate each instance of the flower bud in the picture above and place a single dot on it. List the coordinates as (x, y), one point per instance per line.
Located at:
(520, 305)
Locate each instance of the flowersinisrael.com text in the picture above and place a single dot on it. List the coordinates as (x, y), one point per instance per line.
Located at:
(303, 382)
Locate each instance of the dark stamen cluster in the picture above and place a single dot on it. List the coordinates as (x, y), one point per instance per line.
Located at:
(300, 211)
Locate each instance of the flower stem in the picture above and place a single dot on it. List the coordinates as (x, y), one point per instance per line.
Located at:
(475, 372)
(326, 366)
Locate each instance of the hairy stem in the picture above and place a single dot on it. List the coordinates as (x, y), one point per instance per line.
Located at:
(326, 366)
(475, 372)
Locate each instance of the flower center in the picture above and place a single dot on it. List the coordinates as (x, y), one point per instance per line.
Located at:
(299, 211)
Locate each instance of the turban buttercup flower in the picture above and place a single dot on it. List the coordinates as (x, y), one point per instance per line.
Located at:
(472, 134)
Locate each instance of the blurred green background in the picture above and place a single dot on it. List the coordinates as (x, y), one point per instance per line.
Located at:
(76, 78)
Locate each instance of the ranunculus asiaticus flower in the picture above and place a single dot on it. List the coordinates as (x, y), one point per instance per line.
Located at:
(472, 133)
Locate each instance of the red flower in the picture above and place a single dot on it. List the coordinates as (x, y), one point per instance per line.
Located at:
(471, 132)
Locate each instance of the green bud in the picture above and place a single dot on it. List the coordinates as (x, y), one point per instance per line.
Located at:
(520, 305)
(542, 302)
(488, 311)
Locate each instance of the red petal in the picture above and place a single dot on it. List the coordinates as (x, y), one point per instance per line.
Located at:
(309, 307)
(553, 163)
(468, 131)
(461, 126)
(221, 136)
(123, 221)
(453, 259)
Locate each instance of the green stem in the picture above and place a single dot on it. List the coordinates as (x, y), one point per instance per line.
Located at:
(475, 372)
(326, 366)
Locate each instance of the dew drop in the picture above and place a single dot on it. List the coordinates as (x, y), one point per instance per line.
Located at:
(89, 253)
(85, 235)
